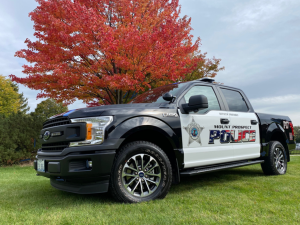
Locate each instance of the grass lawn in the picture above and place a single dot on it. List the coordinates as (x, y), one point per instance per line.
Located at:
(237, 196)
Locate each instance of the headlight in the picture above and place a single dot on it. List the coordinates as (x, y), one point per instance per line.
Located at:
(95, 129)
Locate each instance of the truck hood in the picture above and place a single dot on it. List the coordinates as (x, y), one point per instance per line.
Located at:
(110, 110)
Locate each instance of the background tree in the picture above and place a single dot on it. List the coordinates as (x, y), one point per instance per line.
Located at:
(19, 131)
(9, 98)
(18, 137)
(48, 108)
(23, 106)
(297, 133)
(107, 50)
(205, 67)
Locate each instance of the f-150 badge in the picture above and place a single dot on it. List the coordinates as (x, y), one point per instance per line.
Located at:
(194, 130)
(286, 125)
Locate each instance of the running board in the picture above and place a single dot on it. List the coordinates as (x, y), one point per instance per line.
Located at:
(207, 169)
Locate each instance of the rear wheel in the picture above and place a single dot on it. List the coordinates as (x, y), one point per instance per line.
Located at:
(276, 161)
(141, 172)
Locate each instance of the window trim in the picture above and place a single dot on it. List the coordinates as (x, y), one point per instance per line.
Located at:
(250, 109)
(216, 91)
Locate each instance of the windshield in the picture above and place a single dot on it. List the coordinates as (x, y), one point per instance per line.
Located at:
(155, 95)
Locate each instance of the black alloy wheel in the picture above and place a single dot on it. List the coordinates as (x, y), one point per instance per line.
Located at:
(276, 160)
(141, 172)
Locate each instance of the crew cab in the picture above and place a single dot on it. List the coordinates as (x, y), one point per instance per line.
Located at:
(137, 150)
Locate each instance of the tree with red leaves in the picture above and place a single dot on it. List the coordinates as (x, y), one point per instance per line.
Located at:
(107, 50)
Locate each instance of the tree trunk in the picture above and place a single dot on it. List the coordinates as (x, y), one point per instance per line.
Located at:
(119, 97)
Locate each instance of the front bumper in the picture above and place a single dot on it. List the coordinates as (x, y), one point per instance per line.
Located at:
(70, 173)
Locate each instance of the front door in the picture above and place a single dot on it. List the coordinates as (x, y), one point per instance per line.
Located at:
(203, 141)
(244, 126)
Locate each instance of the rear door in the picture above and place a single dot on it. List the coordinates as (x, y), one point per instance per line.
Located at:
(202, 139)
(244, 124)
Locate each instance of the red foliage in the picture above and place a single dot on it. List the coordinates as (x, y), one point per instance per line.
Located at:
(100, 49)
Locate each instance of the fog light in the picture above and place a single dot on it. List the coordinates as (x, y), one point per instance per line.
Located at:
(89, 164)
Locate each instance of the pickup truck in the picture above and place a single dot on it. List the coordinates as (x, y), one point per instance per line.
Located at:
(136, 151)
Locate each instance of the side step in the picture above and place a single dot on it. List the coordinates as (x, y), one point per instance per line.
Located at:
(207, 169)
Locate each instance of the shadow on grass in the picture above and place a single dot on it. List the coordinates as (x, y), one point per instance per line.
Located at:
(186, 184)
(215, 178)
(41, 194)
(96, 198)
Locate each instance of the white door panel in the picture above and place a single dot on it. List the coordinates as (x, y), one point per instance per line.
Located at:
(198, 149)
(246, 151)
(194, 157)
(206, 141)
(246, 143)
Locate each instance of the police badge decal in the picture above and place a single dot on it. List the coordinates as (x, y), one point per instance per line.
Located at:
(194, 130)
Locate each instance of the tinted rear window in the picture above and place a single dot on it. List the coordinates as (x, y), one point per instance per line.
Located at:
(235, 100)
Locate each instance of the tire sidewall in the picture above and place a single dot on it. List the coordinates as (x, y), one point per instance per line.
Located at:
(273, 147)
(142, 148)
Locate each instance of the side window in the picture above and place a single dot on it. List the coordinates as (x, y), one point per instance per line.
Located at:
(235, 100)
(213, 103)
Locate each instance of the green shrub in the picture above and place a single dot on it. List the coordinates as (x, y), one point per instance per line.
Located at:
(18, 133)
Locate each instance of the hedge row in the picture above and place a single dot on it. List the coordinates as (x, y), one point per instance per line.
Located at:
(18, 137)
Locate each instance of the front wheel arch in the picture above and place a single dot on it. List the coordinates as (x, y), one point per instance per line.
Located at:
(123, 157)
(162, 140)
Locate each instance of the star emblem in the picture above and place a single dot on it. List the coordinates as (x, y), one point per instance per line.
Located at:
(194, 130)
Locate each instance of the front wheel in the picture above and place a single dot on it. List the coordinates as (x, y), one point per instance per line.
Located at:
(141, 172)
(276, 161)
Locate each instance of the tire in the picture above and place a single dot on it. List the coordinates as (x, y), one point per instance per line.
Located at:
(132, 182)
(276, 161)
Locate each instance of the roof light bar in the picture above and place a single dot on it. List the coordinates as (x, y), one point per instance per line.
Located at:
(207, 79)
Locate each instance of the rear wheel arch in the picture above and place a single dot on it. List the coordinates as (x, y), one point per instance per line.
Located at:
(274, 133)
(280, 137)
(276, 160)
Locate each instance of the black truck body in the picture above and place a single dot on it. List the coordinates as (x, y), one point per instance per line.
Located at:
(186, 137)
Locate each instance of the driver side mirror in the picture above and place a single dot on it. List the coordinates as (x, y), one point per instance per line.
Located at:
(168, 97)
(196, 102)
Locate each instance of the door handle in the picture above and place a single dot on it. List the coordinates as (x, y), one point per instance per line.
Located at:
(253, 122)
(225, 121)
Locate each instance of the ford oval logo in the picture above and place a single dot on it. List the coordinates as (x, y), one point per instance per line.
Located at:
(46, 135)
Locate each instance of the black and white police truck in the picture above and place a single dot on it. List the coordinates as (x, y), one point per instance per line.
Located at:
(137, 150)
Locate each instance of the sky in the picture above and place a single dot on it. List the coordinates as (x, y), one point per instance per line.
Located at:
(257, 40)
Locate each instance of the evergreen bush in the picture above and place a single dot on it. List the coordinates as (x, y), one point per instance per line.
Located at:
(18, 134)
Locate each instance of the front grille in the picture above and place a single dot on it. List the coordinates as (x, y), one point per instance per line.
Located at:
(55, 147)
(58, 146)
(56, 122)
